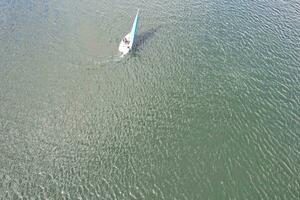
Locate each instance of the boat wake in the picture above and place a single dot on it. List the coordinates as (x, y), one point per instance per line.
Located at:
(97, 64)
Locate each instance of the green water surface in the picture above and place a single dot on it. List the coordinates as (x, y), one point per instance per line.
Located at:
(206, 107)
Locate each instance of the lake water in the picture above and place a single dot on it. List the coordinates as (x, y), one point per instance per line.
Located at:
(206, 107)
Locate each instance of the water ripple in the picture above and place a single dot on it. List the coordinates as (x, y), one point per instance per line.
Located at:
(207, 107)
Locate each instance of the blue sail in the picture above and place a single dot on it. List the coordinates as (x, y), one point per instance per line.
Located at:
(134, 30)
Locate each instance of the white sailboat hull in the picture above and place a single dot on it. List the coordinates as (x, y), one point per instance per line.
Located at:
(124, 47)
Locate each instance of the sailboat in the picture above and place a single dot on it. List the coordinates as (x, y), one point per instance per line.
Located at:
(128, 41)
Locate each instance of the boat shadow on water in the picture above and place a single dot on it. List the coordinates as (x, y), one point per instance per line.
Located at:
(144, 37)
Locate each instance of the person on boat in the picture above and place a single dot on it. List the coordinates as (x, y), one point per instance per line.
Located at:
(126, 41)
